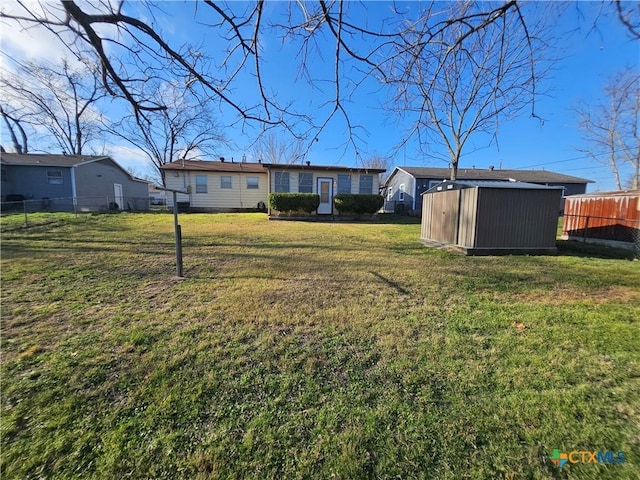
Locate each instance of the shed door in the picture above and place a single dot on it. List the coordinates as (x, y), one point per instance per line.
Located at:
(117, 192)
(445, 216)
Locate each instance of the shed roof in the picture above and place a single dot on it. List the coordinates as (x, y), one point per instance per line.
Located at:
(211, 166)
(458, 184)
(531, 176)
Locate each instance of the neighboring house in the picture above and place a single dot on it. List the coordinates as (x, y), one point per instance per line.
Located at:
(223, 186)
(405, 185)
(611, 218)
(157, 196)
(491, 217)
(326, 181)
(240, 186)
(83, 183)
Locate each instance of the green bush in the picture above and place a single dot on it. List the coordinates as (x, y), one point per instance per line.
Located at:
(294, 202)
(358, 204)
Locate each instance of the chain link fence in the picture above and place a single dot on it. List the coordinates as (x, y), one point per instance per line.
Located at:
(41, 211)
(613, 231)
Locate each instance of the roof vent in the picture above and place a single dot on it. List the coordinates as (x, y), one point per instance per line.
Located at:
(308, 163)
(222, 159)
(244, 158)
(491, 167)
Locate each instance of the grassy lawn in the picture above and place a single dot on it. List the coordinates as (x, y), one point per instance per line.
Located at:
(309, 350)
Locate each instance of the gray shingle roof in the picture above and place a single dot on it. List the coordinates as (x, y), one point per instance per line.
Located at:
(47, 159)
(531, 176)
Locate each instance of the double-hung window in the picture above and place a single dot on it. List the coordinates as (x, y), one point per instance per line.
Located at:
(366, 184)
(54, 177)
(305, 182)
(201, 184)
(344, 183)
(281, 182)
(226, 181)
(253, 183)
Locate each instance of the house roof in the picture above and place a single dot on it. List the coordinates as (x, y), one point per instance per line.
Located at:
(278, 166)
(490, 184)
(616, 193)
(47, 159)
(210, 166)
(531, 176)
(59, 161)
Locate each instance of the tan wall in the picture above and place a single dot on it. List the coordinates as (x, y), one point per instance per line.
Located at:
(217, 198)
(293, 180)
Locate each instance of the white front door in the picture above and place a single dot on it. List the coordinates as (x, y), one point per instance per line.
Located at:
(325, 190)
(117, 192)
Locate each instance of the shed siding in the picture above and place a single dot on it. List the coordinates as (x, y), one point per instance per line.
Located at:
(216, 198)
(606, 217)
(516, 218)
(440, 216)
(468, 218)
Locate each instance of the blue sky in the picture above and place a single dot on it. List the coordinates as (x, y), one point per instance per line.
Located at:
(589, 57)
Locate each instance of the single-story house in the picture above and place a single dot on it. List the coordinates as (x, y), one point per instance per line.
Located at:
(221, 186)
(611, 218)
(403, 188)
(491, 218)
(239, 186)
(326, 181)
(83, 183)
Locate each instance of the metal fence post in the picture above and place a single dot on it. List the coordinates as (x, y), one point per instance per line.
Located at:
(586, 230)
(26, 218)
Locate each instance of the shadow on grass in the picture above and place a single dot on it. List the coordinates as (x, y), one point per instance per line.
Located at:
(574, 248)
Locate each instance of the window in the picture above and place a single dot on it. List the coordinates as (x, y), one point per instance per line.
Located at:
(253, 182)
(305, 183)
(389, 194)
(366, 184)
(282, 182)
(401, 194)
(4, 175)
(54, 177)
(344, 183)
(201, 184)
(226, 181)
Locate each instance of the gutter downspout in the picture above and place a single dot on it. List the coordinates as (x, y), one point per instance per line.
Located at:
(73, 189)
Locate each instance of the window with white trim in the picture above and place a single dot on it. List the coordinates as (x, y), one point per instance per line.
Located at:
(54, 177)
(253, 183)
(201, 184)
(401, 193)
(281, 182)
(389, 194)
(226, 181)
(305, 182)
(366, 184)
(344, 183)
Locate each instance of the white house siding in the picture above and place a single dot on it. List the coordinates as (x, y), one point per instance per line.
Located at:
(239, 197)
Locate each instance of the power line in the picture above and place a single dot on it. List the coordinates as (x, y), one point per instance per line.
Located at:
(566, 160)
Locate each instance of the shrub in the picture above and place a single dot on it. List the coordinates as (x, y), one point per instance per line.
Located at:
(358, 204)
(294, 202)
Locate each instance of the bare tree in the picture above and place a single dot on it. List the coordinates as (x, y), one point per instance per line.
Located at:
(184, 128)
(451, 90)
(13, 122)
(611, 127)
(55, 100)
(376, 160)
(270, 148)
(132, 49)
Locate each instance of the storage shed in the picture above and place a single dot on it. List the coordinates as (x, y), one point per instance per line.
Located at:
(611, 218)
(491, 218)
